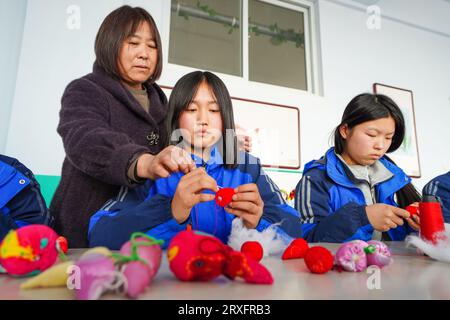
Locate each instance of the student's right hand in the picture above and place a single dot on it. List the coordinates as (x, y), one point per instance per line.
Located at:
(384, 217)
(170, 159)
(188, 193)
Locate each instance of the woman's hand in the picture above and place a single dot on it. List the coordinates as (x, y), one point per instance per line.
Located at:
(244, 141)
(384, 217)
(171, 159)
(188, 193)
(247, 204)
(414, 220)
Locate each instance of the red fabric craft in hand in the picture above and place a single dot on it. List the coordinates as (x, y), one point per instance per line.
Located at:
(413, 210)
(223, 196)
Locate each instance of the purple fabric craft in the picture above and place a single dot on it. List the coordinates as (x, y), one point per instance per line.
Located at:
(151, 254)
(96, 276)
(138, 277)
(351, 256)
(378, 254)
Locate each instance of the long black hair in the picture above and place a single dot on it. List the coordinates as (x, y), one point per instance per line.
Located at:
(367, 107)
(182, 95)
(406, 195)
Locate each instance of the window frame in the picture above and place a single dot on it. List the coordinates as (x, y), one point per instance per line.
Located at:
(313, 70)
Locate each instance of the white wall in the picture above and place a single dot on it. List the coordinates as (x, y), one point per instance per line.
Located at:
(12, 17)
(52, 55)
(404, 53)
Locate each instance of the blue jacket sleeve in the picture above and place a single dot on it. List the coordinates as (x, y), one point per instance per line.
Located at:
(275, 208)
(21, 201)
(320, 222)
(113, 225)
(440, 188)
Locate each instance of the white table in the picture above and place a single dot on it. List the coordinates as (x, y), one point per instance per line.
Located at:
(411, 276)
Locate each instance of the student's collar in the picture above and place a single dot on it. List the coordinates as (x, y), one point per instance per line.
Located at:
(373, 174)
(215, 158)
(336, 170)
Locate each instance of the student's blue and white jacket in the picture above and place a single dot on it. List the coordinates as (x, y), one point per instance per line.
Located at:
(21, 202)
(440, 188)
(332, 207)
(148, 208)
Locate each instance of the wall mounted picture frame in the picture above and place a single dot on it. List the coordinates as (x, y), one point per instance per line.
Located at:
(273, 128)
(407, 155)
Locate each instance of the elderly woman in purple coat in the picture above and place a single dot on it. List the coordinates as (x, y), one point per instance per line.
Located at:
(112, 123)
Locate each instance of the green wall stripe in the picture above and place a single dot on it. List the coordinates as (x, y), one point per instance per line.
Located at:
(48, 186)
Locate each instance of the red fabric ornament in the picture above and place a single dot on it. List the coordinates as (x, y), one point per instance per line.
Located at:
(253, 249)
(296, 249)
(319, 260)
(197, 256)
(223, 196)
(28, 250)
(62, 244)
(252, 271)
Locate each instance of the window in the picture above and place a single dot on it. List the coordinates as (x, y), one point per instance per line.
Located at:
(276, 45)
(208, 34)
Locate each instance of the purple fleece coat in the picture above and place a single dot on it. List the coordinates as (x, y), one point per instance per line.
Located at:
(102, 127)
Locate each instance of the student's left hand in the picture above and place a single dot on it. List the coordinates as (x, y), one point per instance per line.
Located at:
(247, 204)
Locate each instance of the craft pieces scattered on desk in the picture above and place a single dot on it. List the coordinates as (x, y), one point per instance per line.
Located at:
(357, 255)
(354, 256)
(197, 256)
(128, 272)
(317, 259)
(269, 239)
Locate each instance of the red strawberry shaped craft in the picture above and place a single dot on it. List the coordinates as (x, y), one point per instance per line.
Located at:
(223, 196)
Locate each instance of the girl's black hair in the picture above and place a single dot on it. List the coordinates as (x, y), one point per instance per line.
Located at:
(406, 195)
(118, 26)
(367, 107)
(182, 95)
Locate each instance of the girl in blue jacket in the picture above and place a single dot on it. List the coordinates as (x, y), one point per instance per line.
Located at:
(200, 118)
(355, 191)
